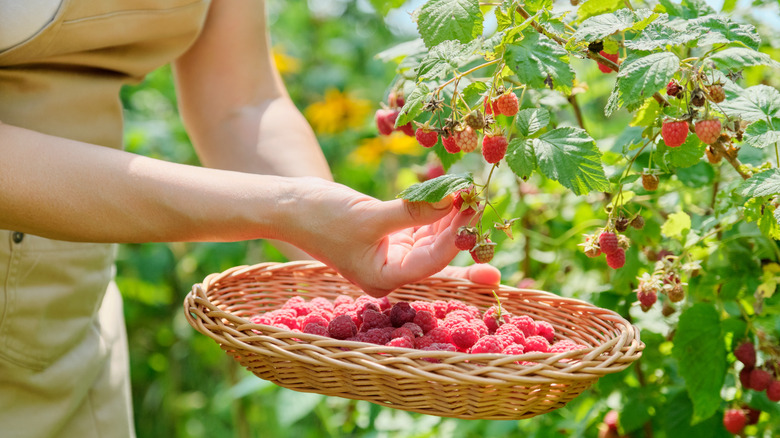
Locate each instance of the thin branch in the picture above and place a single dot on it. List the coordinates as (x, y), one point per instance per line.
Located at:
(577, 111)
(733, 160)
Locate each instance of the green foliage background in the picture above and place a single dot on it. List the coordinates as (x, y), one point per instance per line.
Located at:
(185, 386)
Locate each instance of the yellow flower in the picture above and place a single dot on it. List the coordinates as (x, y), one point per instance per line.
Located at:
(337, 112)
(284, 62)
(371, 150)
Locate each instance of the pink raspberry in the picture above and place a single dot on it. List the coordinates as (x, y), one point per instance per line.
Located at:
(263, 319)
(526, 324)
(565, 345)
(760, 379)
(322, 304)
(416, 329)
(437, 347)
(342, 299)
(608, 242)
(402, 342)
(536, 343)
(286, 317)
(401, 313)
(453, 305)
(511, 330)
(440, 307)
(546, 330)
(440, 335)
(508, 104)
(314, 318)
(513, 349)
(617, 259)
(482, 329)
(316, 329)
(423, 305)
(343, 309)
(487, 344)
(374, 319)
(491, 319)
(342, 327)
(464, 336)
(611, 420)
(425, 320)
(402, 332)
(422, 342)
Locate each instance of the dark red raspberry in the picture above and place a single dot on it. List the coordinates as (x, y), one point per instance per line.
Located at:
(752, 414)
(744, 377)
(316, 329)
(760, 379)
(608, 242)
(450, 144)
(402, 332)
(401, 313)
(734, 420)
(674, 132)
(487, 344)
(374, 319)
(416, 329)
(773, 391)
(466, 238)
(508, 104)
(536, 343)
(374, 336)
(342, 327)
(426, 138)
(673, 88)
(708, 130)
(314, 318)
(612, 57)
(746, 353)
(425, 320)
(494, 148)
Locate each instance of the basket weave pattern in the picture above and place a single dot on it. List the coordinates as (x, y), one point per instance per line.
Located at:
(460, 385)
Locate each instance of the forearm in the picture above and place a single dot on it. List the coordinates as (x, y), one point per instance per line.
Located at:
(69, 190)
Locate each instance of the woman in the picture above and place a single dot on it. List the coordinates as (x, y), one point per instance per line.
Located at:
(68, 192)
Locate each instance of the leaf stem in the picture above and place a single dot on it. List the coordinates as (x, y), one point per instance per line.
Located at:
(467, 72)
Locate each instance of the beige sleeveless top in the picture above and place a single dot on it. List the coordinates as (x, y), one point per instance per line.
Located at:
(64, 80)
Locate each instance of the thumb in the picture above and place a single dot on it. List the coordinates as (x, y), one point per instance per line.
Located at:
(400, 214)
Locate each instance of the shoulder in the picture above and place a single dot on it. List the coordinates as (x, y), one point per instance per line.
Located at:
(21, 20)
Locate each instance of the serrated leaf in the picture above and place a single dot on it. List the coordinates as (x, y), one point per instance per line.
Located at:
(701, 356)
(570, 156)
(685, 155)
(765, 183)
(601, 26)
(676, 419)
(658, 35)
(641, 77)
(755, 103)
(436, 189)
(687, 9)
(721, 30)
(444, 59)
(676, 225)
(402, 50)
(762, 134)
(592, 8)
(536, 57)
(521, 158)
(737, 58)
(413, 105)
(442, 20)
(530, 120)
(646, 114)
(474, 92)
(447, 159)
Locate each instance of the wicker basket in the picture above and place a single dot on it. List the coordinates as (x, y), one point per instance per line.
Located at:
(460, 385)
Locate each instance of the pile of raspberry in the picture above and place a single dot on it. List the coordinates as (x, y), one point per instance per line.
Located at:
(432, 326)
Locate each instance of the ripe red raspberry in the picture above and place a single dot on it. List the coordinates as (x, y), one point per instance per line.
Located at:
(322, 304)
(464, 336)
(646, 298)
(426, 138)
(374, 336)
(467, 139)
(425, 320)
(440, 335)
(374, 319)
(407, 129)
(744, 377)
(773, 391)
(494, 148)
(734, 420)
(536, 343)
(674, 133)
(450, 144)
(491, 319)
(746, 353)
(673, 88)
(466, 238)
(465, 200)
(396, 99)
(401, 313)
(434, 171)
(416, 329)
(402, 332)
(316, 329)
(511, 331)
(437, 347)
(545, 330)
(385, 120)
(565, 345)
(402, 342)
(514, 349)
(608, 242)
(526, 324)
(342, 327)
(492, 108)
(314, 318)
(612, 57)
(716, 93)
(285, 317)
(440, 307)
(508, 104)
(342, 299)
(751, 413)
(649, 181)
(760, 379)
(487, 344)
(708, 130)
(617, 259)
(483, 252)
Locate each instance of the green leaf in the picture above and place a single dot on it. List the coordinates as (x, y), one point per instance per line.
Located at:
(641, 77)
(721, 30)
(591, 8)
(701, 356)
(687, 9)
(436, 189)
(761, 134)
(737, 58)
(444, 59)
(297, 405)
(765, 183)
(658, 35)
(530, 120)
(570, 156)
(677, 225)
(447, 159)
(676, 419)
(521, 158)
(413, 105)
(442, 20)
(755, 103)
(474, 92)
(385, 6)
(601, 26)
(536, 57)
(685, 155)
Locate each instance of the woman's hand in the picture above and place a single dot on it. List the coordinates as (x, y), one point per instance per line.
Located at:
(377, 245)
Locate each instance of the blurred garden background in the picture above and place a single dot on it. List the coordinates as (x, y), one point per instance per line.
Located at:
(185, 386)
